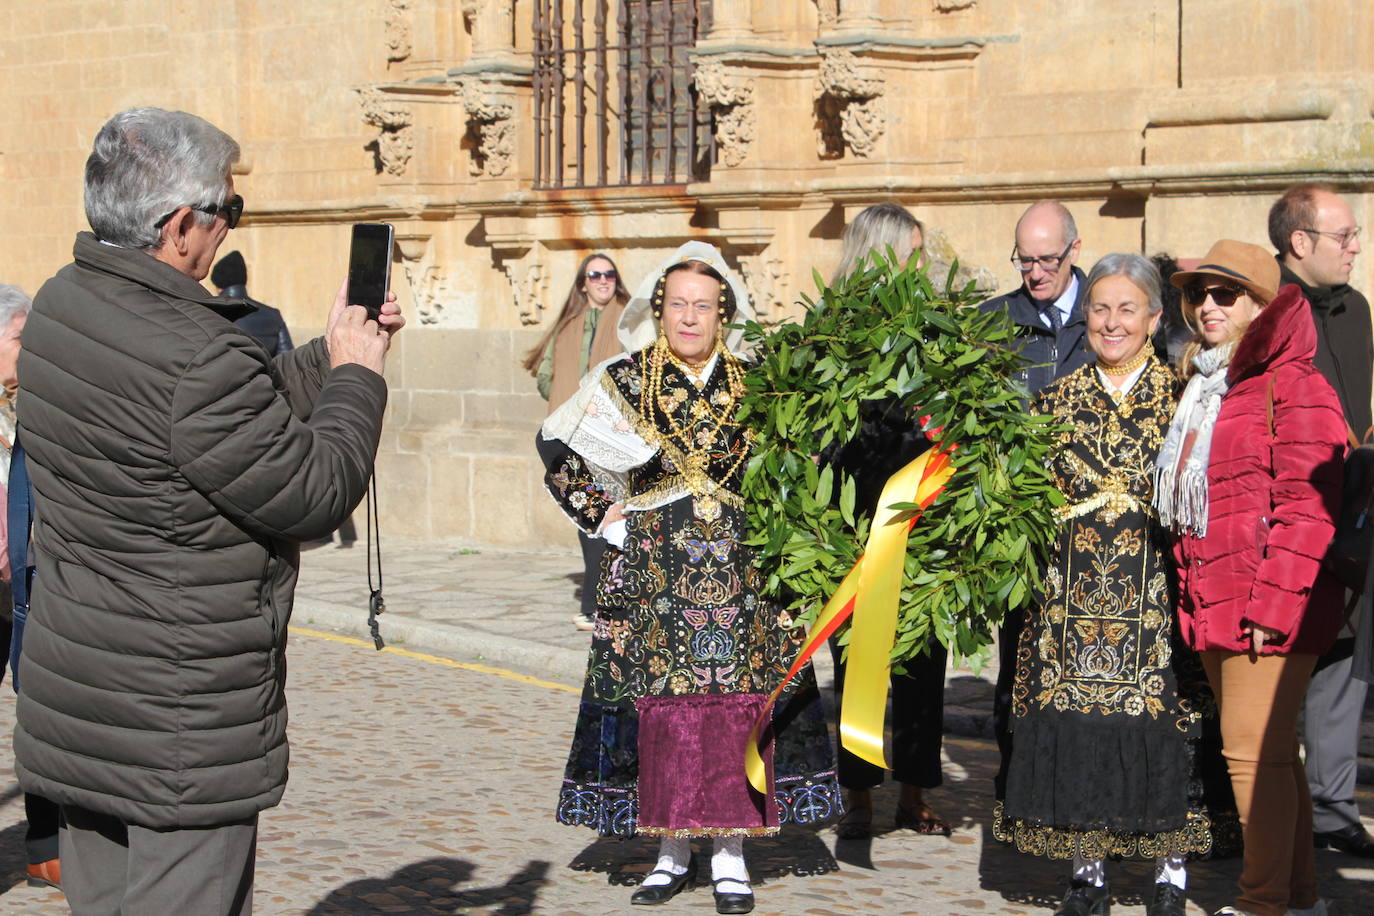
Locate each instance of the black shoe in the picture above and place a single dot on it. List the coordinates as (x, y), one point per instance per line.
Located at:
(733, 903)
(1168, 900)
(1353, 841)
(1083, 899)
(662, 893)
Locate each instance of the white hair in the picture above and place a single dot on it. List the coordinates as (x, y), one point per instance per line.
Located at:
(146, 163)
(1139, 269)
(13, 303)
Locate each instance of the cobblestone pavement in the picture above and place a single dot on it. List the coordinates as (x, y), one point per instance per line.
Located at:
(424, 785)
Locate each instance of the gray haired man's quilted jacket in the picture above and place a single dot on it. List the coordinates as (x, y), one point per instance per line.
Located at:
(175, 468)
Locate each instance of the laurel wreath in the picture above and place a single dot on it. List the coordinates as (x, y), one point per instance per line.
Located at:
(887, 332)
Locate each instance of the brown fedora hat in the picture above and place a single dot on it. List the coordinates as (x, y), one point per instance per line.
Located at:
(1245, 265)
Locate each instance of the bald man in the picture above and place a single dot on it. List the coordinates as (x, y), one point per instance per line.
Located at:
(1045, 308)
(1050, 328)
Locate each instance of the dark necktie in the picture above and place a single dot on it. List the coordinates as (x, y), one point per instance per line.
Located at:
(1055, 317)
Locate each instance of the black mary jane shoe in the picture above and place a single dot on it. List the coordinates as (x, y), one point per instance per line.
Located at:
(733, 903)
(1084, 899)
(1167, 900)
(662, 893)
(1353, 841)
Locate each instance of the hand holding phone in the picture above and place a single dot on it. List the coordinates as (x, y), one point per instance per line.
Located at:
(369, 266)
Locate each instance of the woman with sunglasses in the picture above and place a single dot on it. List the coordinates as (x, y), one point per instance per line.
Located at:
(1250, 481)
(583, 336)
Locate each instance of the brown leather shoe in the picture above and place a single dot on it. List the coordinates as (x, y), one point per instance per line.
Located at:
(46, 874)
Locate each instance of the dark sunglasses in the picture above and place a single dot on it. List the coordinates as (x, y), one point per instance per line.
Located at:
(232, 210)
(600, 274)
(1224, 296)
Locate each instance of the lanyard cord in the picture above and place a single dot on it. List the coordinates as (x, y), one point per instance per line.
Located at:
(375, 603)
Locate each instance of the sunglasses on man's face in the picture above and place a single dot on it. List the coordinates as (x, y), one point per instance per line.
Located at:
(601, 275)
(1224, 296)
(232, 210)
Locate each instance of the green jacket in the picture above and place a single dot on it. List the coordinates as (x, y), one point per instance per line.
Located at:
(175, 468)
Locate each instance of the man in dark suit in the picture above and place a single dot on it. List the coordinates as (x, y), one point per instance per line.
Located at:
(1047, 310)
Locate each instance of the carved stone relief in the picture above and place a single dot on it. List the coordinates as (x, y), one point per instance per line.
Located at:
(829, 11)
(732, 106)
(397, 24)
(395, 143)
(846, 94)
(769, 284)
(435, 300)
(490, 108)
(529, 284)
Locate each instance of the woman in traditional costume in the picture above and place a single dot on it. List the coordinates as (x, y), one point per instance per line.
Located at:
(1101, 765)
(684, 651)
(889, 437)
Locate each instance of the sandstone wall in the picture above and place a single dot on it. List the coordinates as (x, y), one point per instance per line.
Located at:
(1163, 124)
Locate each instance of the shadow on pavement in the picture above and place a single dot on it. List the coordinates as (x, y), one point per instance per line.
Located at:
(430, 888)
(795, 851)
(12, 857)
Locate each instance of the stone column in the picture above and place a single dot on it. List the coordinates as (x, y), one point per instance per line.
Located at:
(732, 20)
(492, 27)
(858, 16)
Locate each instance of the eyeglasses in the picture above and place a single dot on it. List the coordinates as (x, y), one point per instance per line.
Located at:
(1224, 296)
(232, 210)
(1342, 238)
(1050, 262)
(601, 275)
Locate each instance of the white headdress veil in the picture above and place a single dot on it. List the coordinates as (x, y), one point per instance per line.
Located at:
(637, 328)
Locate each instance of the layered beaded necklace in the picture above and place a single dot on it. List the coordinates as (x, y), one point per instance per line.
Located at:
(694, 447)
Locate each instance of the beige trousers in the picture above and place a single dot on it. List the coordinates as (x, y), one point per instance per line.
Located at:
(1259, 698)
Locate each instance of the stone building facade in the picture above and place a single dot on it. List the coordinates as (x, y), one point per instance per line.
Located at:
(505, 139)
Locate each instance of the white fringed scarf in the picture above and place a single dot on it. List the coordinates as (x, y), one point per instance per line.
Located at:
(1181, 479)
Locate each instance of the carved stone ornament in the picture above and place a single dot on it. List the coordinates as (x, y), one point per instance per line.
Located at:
(828, 10)
(395, 144)
(490, 108)
(953, 6)
(844, 91)
(732, 107)
(529, 284)
(429, 285)
(768, 282)
(397, 24)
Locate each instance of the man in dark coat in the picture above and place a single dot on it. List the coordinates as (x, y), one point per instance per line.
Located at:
(174, 468)
(1317, 239)
(1047, 310)
(230, 277)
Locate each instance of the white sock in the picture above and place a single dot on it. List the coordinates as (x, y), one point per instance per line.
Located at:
(1171, 869)
(727, 862)
(1091, 871)
(674, 852)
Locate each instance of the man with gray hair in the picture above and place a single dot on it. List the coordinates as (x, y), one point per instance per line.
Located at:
(175, 467)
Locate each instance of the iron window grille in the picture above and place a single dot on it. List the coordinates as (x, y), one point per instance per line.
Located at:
(614, 98)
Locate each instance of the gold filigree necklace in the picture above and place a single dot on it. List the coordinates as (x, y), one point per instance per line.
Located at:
(696, 449)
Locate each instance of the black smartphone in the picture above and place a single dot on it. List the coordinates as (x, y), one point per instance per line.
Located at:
(369, 266)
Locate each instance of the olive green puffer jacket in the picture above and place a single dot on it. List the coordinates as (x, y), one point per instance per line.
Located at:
(175, 468)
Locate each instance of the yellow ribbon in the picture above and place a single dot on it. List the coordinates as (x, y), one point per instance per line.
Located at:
(874, 627)
(870, 592)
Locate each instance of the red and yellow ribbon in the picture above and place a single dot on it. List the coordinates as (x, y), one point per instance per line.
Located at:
(870, 594)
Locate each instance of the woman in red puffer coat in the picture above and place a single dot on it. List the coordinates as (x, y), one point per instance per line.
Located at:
(1250, 480)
